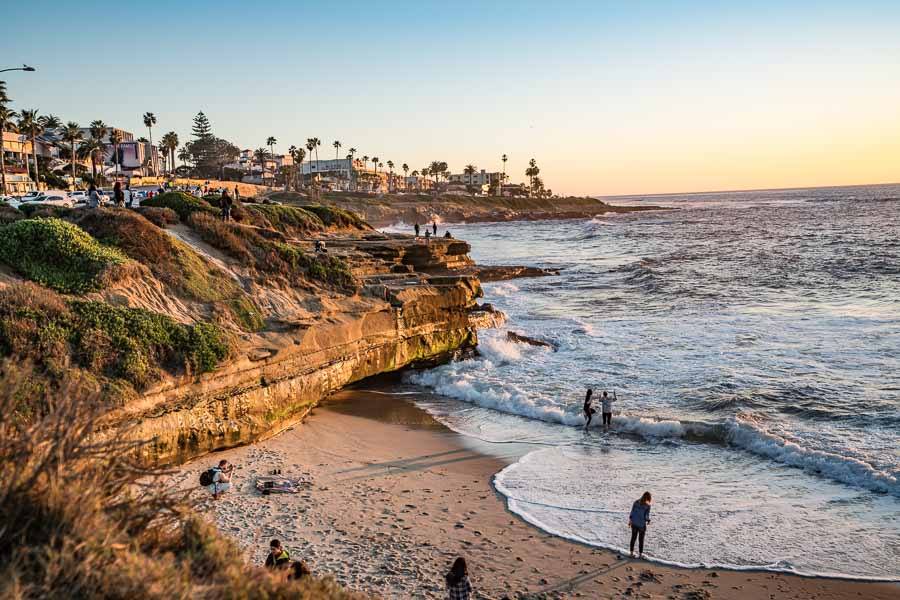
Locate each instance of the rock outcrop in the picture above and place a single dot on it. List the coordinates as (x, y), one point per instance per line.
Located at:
(403, 316)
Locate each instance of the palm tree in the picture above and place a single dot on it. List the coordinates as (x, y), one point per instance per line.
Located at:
(390, 165)
(337, 148)
(270, 142)
(7, 118)
(503, 176)
(435, 169)
(310, 147)
(72, 134)
(149, 122)
(316, 144)
(298, 154)
(184, 155)
(261, 155)
(29, 124)
(425, 173)
(50, 123)
(170, 143)
(532, 172)
(115, 137)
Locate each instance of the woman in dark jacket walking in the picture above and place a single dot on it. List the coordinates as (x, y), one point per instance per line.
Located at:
(638, 520)
(458, 586)
(118, 195)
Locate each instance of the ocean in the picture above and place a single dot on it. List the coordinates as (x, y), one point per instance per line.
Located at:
(753, 341)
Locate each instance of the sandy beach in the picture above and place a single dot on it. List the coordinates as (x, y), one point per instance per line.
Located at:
(395, 496)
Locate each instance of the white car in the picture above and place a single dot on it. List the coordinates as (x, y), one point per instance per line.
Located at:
(51, 198)
(78, 195)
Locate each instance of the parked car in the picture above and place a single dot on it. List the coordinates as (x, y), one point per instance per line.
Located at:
(51, 198)
(29, 196)
(11, 200)
(78, 195)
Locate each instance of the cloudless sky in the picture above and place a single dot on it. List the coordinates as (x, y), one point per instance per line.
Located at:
(609, 97)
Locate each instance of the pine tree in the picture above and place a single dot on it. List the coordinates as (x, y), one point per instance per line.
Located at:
(201, 130)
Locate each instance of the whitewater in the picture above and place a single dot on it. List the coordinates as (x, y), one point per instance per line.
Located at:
(753, 339)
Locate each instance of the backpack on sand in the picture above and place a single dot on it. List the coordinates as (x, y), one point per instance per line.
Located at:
(206, 477)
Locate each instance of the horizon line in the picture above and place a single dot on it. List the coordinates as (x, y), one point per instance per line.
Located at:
(735, 191)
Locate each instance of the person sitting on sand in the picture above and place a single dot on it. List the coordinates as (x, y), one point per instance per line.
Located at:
(221, 479)
(278, 557)
(638, 521)
(607, 408)
(299, 570)
(447, 234)
(458, 586)
(588, 409)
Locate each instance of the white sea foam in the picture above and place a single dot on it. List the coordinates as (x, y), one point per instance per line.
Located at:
(504, 289)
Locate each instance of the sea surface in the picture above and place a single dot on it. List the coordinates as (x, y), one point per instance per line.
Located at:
(753, 341)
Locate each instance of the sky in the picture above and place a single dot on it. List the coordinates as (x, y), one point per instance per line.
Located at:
(608, 97)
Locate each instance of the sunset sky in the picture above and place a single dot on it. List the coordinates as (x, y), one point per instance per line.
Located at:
(609, 98)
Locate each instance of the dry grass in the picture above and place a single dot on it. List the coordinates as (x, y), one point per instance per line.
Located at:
(82, 519)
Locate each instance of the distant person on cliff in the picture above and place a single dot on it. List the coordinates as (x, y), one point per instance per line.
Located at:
(278, 557)
(417, 229)
(458, 586)
(638, 521)
(93, 199)
(221, 479)
(588, 409)
(225, 205)
(434, 227)
(607, 401)
(118, 195)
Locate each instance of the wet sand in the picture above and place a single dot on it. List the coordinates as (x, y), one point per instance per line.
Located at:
(396, 496)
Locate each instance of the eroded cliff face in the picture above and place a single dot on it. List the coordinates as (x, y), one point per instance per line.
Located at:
(403, 316)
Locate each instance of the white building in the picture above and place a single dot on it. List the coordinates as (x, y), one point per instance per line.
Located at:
(476, 179)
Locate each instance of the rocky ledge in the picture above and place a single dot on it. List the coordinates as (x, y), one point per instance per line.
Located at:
(416, 306)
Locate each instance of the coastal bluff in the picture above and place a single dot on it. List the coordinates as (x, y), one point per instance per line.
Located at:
(412, 309)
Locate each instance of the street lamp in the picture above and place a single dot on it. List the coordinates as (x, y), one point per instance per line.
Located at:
(22, 68)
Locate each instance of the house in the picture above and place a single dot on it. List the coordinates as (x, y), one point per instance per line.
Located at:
(477, 179)
(16, 150)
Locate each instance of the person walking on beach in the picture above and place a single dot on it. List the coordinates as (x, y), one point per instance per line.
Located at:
(458, 586)
(588, 409)
(638, 521)
(221, 479)
(417, 229)
(278, 557)
(607, 408)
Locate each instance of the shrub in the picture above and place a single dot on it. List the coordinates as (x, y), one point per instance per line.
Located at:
(171, 261)
(37, 211)
(289, 220)
(82, 518)
(58, 254)
(8, 214)
(181, 203)
(263, 255)
(131, 344)
(159, 216)
(333, 216)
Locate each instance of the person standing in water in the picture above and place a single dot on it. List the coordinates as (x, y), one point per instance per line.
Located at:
(417, 229)
(606, 402)
(434, 226)
(588, 409)
(638, 521)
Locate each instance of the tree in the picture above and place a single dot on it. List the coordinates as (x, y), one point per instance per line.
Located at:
(502, 177)
(7, 118)
(115, 137)
(270, 142)
(436, 168)
(50, 124)
(72, 135)
(390, 165)
(316, 144)
(170, 144)
(261, 155)
(298, 154)
(337, 148)
(30, 125)
(184, 156)
(532, 172)
(405, 168)
(425, 173)
(310, 147)
(149, 122)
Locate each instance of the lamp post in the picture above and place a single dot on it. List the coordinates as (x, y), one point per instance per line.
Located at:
(22, 68)
(2, 165)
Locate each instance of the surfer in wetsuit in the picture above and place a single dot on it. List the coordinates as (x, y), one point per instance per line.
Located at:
(588, 409)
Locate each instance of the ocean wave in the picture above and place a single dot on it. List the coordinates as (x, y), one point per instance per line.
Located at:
(740, 432)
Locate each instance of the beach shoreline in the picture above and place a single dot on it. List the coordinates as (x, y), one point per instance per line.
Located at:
(396, 496)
